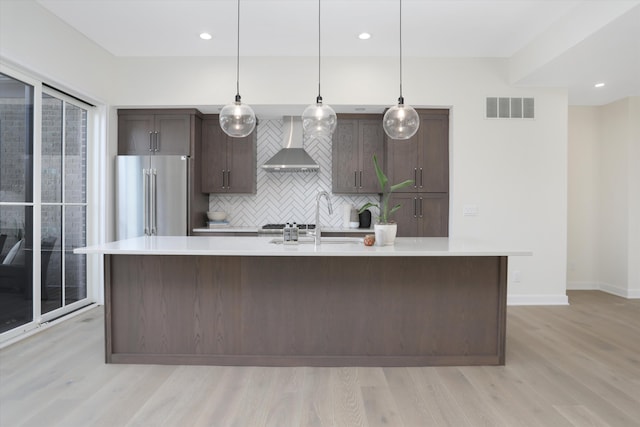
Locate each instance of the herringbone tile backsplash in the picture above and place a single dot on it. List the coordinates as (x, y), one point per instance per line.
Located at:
(287, 196)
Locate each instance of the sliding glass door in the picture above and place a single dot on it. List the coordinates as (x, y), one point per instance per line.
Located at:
(43, 204)
(16, 202)
(64, 199)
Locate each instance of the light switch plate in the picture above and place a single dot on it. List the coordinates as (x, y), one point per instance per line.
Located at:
(470, 210)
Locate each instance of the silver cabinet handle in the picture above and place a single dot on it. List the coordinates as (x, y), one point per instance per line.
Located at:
(228, 179)
(415, 178)
(355, 179)
(415, 207)
(150, 141)
(360, 179)
(420, 207)
(154, 207)
(145, 201)
(224, 174)
(421, 174)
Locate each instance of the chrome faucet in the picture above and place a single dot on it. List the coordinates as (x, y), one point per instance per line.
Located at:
(317, 232)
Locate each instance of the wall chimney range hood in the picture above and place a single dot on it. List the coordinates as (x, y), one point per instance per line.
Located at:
(292, 157)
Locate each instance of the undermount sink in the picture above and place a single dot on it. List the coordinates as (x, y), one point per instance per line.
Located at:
(323, 241)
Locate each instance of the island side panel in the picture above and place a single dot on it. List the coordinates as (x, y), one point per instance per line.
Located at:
(321, 311)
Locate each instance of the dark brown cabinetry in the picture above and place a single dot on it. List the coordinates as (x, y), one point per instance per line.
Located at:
(422, 214)
(165, 132)
(424, 159)
(228, 164)
(356, 139)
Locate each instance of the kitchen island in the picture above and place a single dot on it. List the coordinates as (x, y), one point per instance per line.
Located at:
(248, 301)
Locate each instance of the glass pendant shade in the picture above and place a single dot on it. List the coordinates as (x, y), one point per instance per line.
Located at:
(319, 120)
(401, 121)
(237, 120)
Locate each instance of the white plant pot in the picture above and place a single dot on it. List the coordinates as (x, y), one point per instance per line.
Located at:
(385, 234)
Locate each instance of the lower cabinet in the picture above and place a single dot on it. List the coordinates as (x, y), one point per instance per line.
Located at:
(421, 214)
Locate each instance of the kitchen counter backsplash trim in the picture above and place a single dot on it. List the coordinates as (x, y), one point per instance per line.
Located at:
(286, 197)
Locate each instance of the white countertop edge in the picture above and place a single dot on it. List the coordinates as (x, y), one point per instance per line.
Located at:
(260, 246)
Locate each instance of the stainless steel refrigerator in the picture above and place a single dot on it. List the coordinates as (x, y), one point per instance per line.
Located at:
(152, 196)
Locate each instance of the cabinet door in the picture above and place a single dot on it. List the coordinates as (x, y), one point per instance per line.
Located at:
(174, 134)
(135, 133)
(345, 157)
(407, 216)
(402, 161)
(241, 164)
(433, 168)
(214, 157)
(433, 215)
(371, 136)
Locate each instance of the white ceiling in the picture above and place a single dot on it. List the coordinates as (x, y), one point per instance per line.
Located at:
(600, 42)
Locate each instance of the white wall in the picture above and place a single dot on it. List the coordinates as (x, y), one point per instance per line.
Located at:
(604, 202)
(633, 162)
(583, 201)
(513, 170)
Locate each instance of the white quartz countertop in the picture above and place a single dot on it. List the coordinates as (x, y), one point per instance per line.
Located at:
(330, 246)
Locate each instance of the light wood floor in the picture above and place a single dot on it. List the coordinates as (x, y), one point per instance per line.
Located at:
(576, 365)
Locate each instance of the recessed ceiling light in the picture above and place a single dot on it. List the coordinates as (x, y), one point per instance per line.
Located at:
(205, 36)
(598, 85)
(364, 36)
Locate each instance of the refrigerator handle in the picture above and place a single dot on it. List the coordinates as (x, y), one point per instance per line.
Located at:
(156, 148)
(153, 209)
(145, 201)
(150, 141)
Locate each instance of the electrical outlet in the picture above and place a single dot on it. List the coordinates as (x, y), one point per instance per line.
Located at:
(517, 276)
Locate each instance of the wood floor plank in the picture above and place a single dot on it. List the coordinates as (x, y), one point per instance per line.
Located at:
(348, 405)
(574, 366)
(407, 396)
(441, 403)
(317, 402)
(579, 416)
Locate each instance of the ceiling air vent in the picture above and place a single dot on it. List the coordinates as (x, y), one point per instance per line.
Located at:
(510, 108)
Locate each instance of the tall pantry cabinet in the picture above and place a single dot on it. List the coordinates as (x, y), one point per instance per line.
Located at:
(424, 158)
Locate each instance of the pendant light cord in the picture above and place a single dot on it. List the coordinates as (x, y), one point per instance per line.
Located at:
(319, 99)
(238, 58)
(401, 99)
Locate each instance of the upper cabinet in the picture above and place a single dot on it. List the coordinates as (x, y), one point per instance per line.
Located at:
(355, 141)
(164, 132)
(229, 164)
(425, 157)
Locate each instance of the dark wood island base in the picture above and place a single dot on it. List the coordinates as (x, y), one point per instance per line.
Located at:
(306, 310)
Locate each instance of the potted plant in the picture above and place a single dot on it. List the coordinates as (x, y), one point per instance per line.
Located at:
(385, 229)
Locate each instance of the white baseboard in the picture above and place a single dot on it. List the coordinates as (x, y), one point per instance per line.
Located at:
(537, 300)
(604, 287)
(584, 286)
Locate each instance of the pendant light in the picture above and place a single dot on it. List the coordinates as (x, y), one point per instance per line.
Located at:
(401, 121)
(319, 119)
(237, 120)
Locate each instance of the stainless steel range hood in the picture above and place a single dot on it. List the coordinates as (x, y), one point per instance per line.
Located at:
(292, 157)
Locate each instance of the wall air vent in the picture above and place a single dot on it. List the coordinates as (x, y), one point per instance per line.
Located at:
(509, 108)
